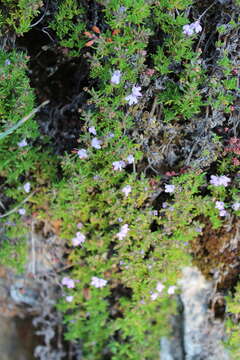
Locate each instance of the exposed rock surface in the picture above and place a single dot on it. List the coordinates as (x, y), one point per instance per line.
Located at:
(199, 333)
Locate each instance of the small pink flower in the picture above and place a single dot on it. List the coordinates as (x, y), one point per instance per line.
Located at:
(169, 188)
(123, 232)
(82, 153)
(126, 190)
(98, 282)
(92, 130)
(68, 282)
(27, 187)
(69, 298)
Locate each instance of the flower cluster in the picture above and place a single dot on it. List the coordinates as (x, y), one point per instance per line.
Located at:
(133, 97)
(159, 289)
(119, 165)
(189, 30)
(98, 282)
(219, 180)
(220, 206)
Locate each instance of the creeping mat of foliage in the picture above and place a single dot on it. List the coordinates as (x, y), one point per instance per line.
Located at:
(134, 160)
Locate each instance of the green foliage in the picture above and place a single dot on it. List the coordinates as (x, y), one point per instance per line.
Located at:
(14, 255)
(69, 26)
(18, 15)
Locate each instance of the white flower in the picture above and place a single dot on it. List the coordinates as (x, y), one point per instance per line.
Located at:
(159, 287)
(92, 130)
(236, 206)
(126, 190)
(22, 211)
(171, 290)
(69, 298)
(116, 77)
(219, 180)
(79, 239)
(22, 143)
(154, 296)
(169, 188)
(27, 187)
(96, 144)
(130, 159)
(97, 282)
(82, 153)
(118, 165)
(123, 232)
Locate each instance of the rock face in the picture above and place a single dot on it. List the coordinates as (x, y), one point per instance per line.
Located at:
(199, 333)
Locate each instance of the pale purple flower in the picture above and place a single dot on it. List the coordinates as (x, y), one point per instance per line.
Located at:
(79, 225)
(27, 187)
(123, 232)
(196, 26)
(97, 282)
(136, 91)
(22, 211)
(69, 298)
(219, 205)
(154, 296)
(116, 77)
(92, 130)
(236, 206)
(219, 180)
(68, 282)
(96, 144)
(164, 205)
(169, 188)
(222, 213)
(82, 153)
(79, 239)
(118, 165)
(130, 159)
(7, 62)
(126, 190)
(171, 290)
(160, 287)
(110, 135)
(189, 30)
(22, 143)
(131, 99)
